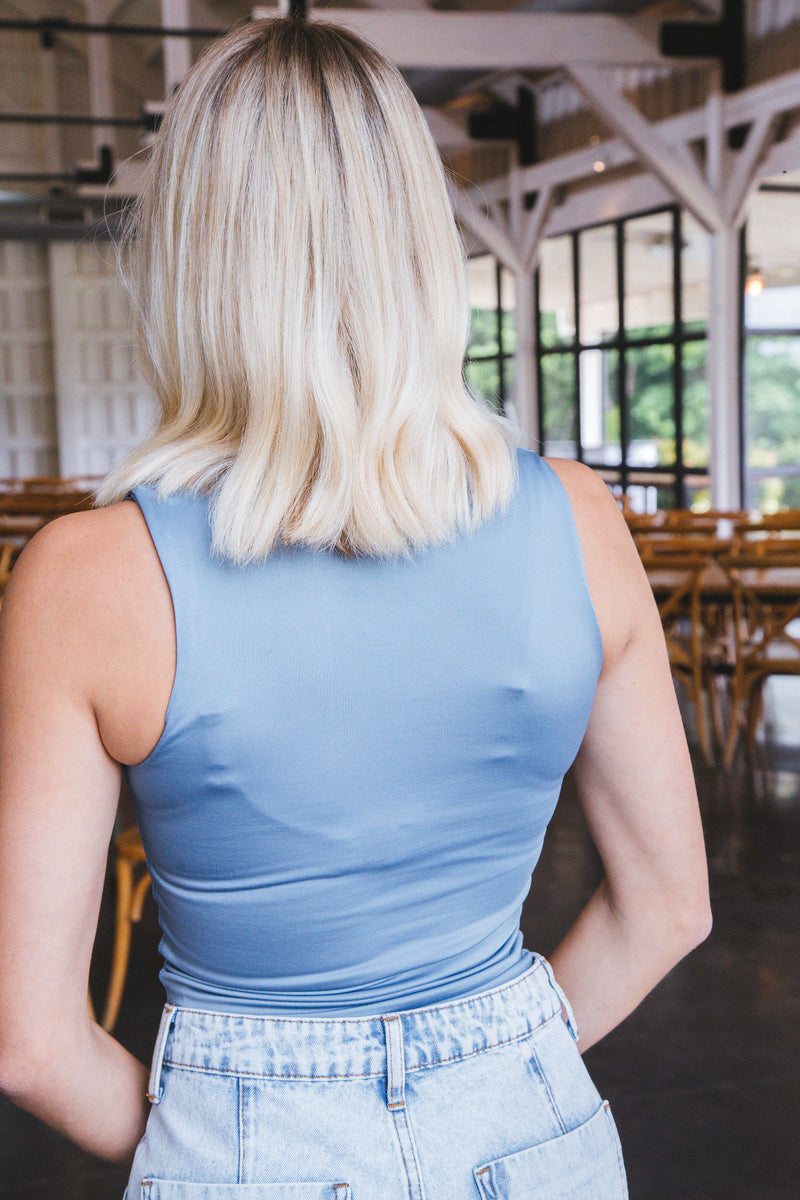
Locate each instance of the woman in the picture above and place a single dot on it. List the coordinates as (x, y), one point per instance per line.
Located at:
(344, 642)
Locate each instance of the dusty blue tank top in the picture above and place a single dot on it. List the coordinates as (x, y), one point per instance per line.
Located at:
(360, 759)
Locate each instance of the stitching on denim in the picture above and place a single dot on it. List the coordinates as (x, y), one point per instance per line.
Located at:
(534, 1059)
(337, 1187)
(243, 1074)
(242, 1152)
(434, 1062)
(390, 1103)
(402, 1115)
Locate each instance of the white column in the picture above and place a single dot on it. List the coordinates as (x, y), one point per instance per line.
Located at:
(525, 393)
(175, 14)
(101, 81)
(525, 385)
(724, 368)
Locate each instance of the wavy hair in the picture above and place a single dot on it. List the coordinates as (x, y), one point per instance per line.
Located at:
(300, 292)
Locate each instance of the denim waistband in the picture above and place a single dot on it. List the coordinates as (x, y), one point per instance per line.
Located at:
(339, 1047)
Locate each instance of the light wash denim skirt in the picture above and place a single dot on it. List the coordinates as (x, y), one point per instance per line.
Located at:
(484, 1098)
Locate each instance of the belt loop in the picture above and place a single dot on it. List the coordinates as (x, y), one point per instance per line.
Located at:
(395, 1063)
(154, 1089)
(571, 1023)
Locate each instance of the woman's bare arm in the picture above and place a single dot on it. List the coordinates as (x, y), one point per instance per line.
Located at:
(60, 636)
(636, 787)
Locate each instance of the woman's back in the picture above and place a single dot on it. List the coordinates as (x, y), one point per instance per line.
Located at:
(360, 758)
(362, 747)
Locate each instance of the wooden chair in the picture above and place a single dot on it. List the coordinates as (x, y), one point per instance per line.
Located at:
(8, 553)
(765, 590)
(131, 892)
(676, 578)
(683, 520)
(787, 521)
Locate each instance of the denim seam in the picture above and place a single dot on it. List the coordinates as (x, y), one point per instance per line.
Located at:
(533, 1060)
(240, 1097)
(402, 1115)
(436, 1062)
(394, 1069)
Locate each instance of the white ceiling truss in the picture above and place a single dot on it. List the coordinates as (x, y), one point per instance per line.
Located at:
(455, 40)
(716, 196)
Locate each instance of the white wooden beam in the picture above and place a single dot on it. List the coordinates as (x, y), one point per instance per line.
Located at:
(177, 52)
(498, 215)
(401, 4)
(737, 187)
(607, 202)
(524, 397)
(489, 232)
(776, 96)
(716, 141)
(446, 132)
(479, 40)
(534, 227)
(724, 369)
(672, 168)
(101, 80)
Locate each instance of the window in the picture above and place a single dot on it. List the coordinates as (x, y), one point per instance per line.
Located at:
(772, 351)
(622, 316)
(489, 365)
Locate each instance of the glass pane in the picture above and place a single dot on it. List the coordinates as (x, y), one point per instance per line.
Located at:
(600, 426)
(482, 278)
(651, 405)
(659, 491)
(483, 380)
(772, 228)
(649, 265)
(698, 494)
(510, 381)
(642, 499)
(598, 285)
(772, 421)
(556, 292)
(696, 443)
(665, 496)
(559, 405)
(694, 273)
(508, 303)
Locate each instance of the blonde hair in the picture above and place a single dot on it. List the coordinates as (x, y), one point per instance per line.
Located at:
(300, 291)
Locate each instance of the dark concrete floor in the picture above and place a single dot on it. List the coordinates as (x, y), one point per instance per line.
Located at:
(704, 1078)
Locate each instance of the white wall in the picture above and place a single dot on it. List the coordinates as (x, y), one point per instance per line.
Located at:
(72, 400)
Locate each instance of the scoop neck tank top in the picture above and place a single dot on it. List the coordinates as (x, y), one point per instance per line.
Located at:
(360, 758)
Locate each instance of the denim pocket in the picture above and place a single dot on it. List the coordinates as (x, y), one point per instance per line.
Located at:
(585, 1164)
(167, 1189)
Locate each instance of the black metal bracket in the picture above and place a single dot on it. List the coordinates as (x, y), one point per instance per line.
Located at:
(723, 39)
(508, 122)
(101, 174)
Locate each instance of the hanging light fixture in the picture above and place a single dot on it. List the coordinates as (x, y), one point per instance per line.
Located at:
(754, 283)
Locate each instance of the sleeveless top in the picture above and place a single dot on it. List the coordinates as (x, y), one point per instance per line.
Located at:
(360, 758)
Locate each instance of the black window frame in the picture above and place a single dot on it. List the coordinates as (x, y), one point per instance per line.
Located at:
(676, 476)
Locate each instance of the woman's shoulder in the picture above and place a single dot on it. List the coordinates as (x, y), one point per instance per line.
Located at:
(87, 601)
(79, 556)
(617, 582)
